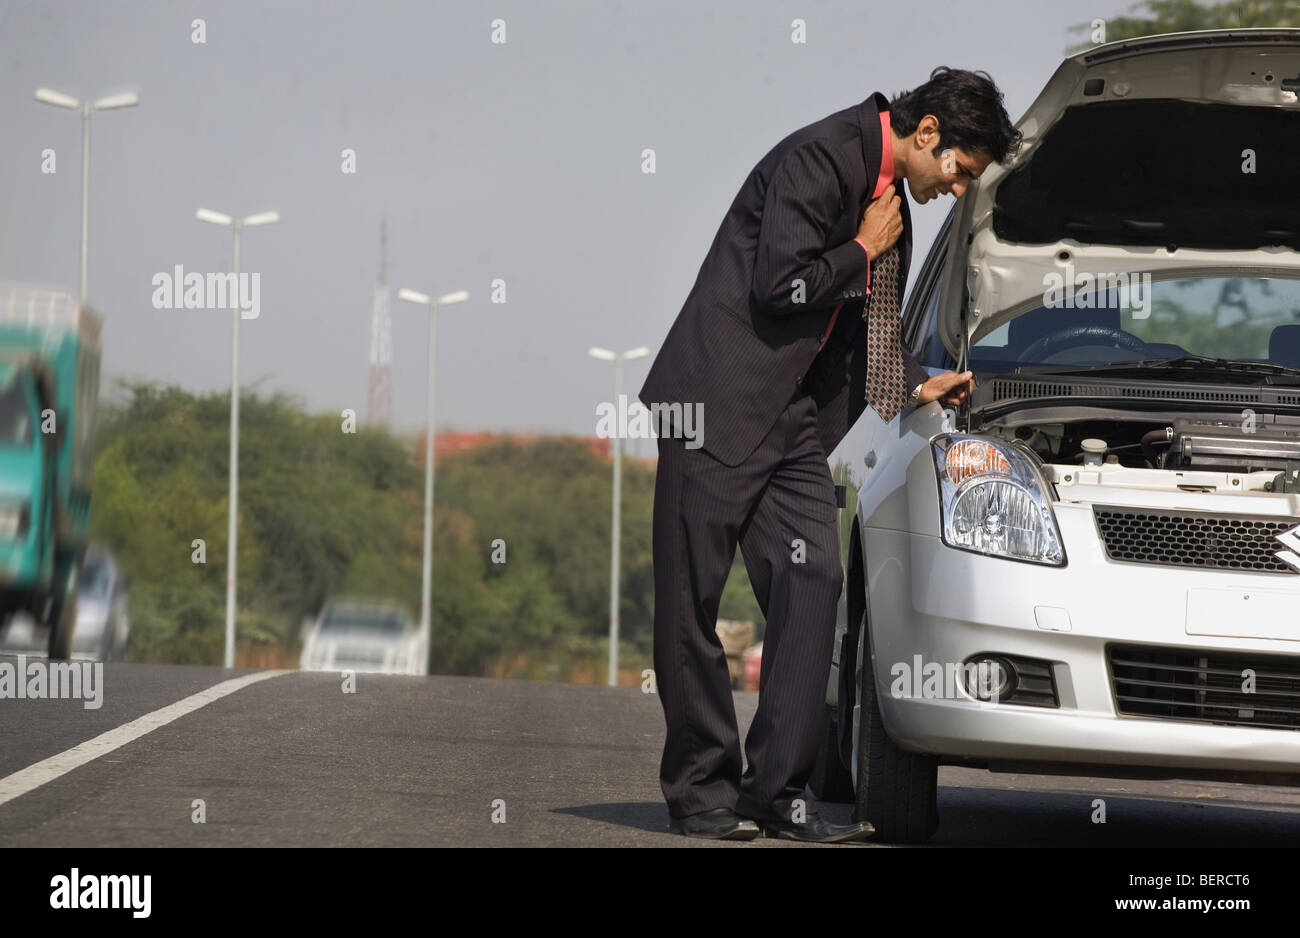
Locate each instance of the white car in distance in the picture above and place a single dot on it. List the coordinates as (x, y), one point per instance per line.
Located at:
(357, 634)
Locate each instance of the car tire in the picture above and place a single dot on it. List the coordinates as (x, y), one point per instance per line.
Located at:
(896, 790)
(122, 642)
(105, 652)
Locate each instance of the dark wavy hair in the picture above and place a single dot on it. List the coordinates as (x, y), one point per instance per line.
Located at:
(968, 107)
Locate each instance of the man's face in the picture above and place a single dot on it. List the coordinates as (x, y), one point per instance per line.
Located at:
(931, 174)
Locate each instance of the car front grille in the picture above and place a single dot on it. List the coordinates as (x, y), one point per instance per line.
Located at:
(1174, 538)
(1206, 686)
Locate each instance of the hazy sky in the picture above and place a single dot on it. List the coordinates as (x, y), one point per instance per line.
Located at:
(518, 160)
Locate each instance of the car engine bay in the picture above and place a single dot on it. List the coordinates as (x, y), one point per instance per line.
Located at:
(1262, 457)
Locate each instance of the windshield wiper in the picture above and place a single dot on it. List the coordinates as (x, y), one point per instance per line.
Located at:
(1193, 363)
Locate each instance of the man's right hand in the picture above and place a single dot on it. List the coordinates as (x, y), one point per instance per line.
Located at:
(882, 223)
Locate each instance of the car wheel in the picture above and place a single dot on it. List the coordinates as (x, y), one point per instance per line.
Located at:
(106, 643)
(897, 790)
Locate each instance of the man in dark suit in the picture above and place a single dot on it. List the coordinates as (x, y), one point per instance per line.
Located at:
(789, 332)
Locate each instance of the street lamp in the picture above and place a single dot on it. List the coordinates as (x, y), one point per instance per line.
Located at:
(237, 225)
(426, 588)
(615, 526)
(106, 103)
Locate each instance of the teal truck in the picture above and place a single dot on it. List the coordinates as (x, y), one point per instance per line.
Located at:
(49, 389)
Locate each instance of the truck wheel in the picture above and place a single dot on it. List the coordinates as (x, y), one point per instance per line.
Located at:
(897, 790)
(63, 607)
(63, 622)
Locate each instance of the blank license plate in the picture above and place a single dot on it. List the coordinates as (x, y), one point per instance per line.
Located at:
(1244, 613)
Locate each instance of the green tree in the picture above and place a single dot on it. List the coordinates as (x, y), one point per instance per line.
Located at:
(1179, 16)
(323, 513)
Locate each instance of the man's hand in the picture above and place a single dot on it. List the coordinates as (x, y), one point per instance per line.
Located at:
(881, 224)
(951, 387)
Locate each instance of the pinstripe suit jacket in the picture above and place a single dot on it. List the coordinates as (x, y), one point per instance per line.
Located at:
(744, 340)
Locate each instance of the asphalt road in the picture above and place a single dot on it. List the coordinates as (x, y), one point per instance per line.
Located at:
(292, 760)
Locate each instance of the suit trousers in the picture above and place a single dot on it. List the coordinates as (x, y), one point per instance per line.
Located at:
(779, 506)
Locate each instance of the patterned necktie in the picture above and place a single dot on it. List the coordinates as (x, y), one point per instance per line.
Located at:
(885, 379)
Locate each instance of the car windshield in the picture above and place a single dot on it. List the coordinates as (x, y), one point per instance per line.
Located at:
(376, 621)
(1134, 318)
(15, 416)
(95, 580)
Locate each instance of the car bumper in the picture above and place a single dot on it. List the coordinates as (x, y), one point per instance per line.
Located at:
(946, 605)
(88, 637)
(326, 655)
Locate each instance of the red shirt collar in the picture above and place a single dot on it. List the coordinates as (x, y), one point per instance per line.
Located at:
(886, 175)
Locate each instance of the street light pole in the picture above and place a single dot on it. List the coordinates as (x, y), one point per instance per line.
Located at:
(232, 525)
(232, 530)
(426, 569)
(616, 526)
(426, 578)
(107, 103)
(85, 195)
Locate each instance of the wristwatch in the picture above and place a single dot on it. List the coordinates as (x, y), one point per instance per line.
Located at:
(915, 395)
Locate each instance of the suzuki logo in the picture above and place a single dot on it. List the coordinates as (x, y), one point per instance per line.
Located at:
(1289, 539)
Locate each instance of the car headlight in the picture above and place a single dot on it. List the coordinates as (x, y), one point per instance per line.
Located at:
(994, 500)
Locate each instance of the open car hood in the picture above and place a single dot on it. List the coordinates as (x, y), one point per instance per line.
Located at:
(1133, 160)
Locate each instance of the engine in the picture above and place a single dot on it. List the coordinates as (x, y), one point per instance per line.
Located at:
(1197, 443)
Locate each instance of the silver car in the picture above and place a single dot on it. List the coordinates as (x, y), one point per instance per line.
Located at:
(359, 634)
(1093, 567)
(103, 628)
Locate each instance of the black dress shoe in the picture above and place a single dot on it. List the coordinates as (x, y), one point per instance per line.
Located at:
(717, 824)
(818, 830)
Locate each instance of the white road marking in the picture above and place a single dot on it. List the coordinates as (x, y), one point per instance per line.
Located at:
(47, 770)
